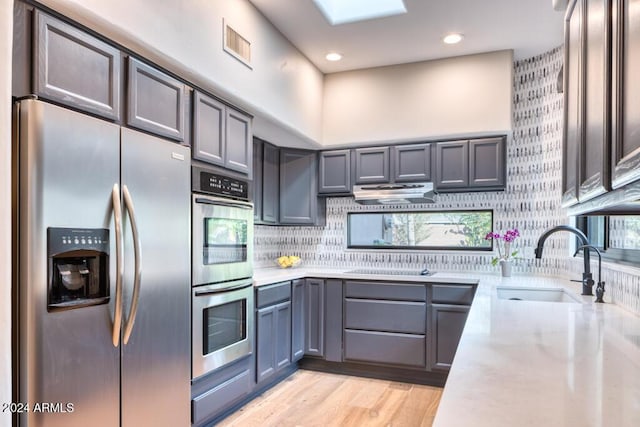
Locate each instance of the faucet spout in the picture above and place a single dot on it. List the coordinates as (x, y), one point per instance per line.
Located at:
(587, 277)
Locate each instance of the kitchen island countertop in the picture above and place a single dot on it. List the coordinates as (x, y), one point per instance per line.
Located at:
(529, 363)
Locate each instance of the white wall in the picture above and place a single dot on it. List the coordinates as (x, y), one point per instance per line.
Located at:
(186, 38)
(468, 95)
(6, 25)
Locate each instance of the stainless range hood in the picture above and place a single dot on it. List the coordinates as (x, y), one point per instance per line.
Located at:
(394, 194)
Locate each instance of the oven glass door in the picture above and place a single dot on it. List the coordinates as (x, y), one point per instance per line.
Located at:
(222, 240)
(222, 325)
(225, 240)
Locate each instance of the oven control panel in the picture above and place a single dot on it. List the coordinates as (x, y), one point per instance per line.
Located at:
(219, 185)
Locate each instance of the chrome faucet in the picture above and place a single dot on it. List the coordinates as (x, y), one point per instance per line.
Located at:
(587, 278)
(600, 285)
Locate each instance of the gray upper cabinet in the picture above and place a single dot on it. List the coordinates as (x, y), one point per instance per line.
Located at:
(155, 101)
(626, 88)
(474, 165)
(486, 162)
(573, 111)
(299, 204)
(270, 184)
(335, 172)
(452, 165)
(75, 69)
(594, 153)
(221, 135)
(238, 142)
(209, 117)
(412, 162)
(256, 184)
(372, 165)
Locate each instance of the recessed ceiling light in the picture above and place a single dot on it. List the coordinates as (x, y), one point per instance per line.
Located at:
(343, 11)
(333, 56)
(453, 38)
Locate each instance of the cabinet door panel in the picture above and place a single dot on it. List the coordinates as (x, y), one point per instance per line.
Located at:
(412, 163)
(452, 164)
(283, 335)
(208, 129)
(297, 320)
(298, 198)
(486, 162)
(270, 184)
(238, 142)
(155, 101)
(626, 113)
(265, 345)
(335, 171)
(333, 321)
(75, 69)
(594, 164)
(447, 323)
(372, 165)
(314, 312)
(573, 96)
(256, 184)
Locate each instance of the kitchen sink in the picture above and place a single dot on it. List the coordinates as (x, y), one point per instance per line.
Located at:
(536, 294)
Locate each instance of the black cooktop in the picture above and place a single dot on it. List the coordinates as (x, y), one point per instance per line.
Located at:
(394, 272)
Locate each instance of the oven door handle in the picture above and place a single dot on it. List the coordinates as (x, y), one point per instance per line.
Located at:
(220, 291)
(225, 203)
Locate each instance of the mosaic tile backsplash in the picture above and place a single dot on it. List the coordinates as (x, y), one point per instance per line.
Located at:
(531, 202)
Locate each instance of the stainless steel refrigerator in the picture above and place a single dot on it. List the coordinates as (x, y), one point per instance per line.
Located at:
(103, 284)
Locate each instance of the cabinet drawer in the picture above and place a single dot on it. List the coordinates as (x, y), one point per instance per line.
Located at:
(272, 294)
(385, 347)
(390, 316)
(390, 291)
(453, 294)
(221, 397)
(75, 69)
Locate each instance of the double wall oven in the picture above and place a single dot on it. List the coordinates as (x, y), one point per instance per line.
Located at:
(222, 263)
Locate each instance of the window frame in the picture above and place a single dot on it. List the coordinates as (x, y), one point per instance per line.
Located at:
(488, 249)
(629, 257)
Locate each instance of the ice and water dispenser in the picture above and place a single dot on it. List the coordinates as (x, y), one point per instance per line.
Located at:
(78, 263)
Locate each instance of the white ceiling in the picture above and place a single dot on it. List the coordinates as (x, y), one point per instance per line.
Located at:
(529, 27)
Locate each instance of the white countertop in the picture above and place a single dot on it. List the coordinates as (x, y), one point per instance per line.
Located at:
(526, 363)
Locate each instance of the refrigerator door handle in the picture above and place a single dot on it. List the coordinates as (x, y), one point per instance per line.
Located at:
(117, 219)
(128, 203)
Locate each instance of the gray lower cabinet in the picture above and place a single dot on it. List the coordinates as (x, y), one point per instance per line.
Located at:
(333, 320)
(299, 202)
(314, 317)
(155, 101)
(297, 319)
(218, 392)
(385, 323)
(273, 329)
(75, 69)
(412, 163)
(447, 323)
(222, 136)
(334, 172)
(372, 165)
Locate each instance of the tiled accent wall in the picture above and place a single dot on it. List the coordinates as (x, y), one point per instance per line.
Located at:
(531, 203)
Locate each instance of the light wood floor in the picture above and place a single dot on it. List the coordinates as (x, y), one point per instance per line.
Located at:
(309, 398)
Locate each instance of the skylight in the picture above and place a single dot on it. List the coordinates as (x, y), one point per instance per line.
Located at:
(343, 11)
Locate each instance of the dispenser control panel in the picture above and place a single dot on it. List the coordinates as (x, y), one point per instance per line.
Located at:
(73, 239)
